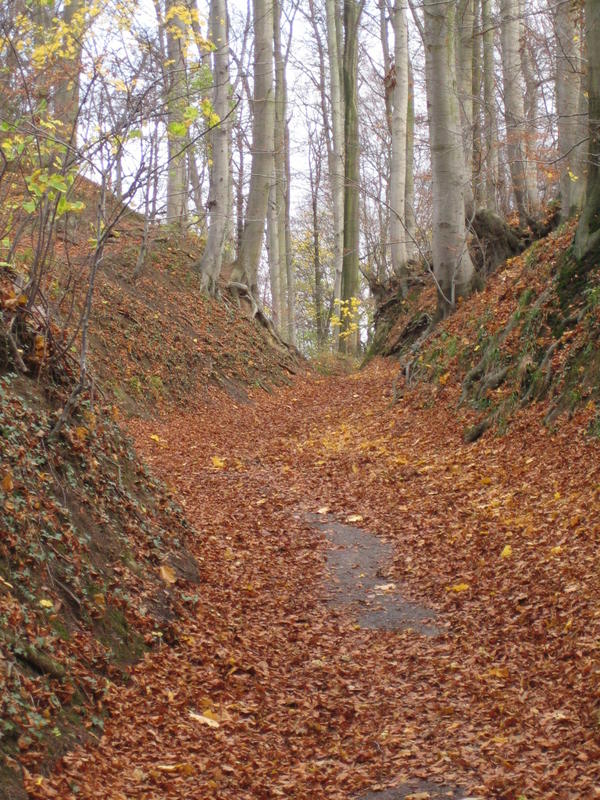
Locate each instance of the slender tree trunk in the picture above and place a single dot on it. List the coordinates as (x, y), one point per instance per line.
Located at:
(571, 131)
(67, 88)
(336, 169)
(314, 173)
(452, 265)
(399, 152)
(476, 86)
(490, 157)
(465, 21)
(220, 174)
(282, 180)
(195, 180)
(514, 107)
(274, 254)
(531, 111)
(350, 270)
(176, 35)
(587, 239)
(409, 186)
(246, 268)
(290, 274)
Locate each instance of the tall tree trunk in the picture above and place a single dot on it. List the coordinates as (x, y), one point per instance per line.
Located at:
(571, 131)
(273, 253)
(409, 185)
(587, 239)
(398, 155)
(246, 268)
(452, 265)
(67, 88)
(465, 21)
(490, 157)
(282, 177)
(350, 269)
(290, 274)
(218, 195)
(531, 112)
(314, 174)
(336, 169)
(177, 184)
(514, 107)
(476, 86)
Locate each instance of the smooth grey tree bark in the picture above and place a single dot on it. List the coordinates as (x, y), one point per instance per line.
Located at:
(531, 112)
(245, 270)
(465, 26)
(399, 115)
(336, 166)
(571, 122)
(514, 109)
(273, 253)
(220, 147)
(409, 185)
(177, 179)
(490, 154)
(587, 239)
(67, 89)
(282, 182)
(452, 265)
(350, 266)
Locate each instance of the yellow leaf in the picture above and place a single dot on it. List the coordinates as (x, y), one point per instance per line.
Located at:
(557, 495)
(81, 433)
(497, 672)
(155, 438)
(167, 573)
(556, 550)
(184, 768)
(218, 463)
(507, 552)
(458, 587)
(444, 378)
(100, 601)
(355, 518)
(7, 482)
(208, 718)
(486, 481)
(46, 603)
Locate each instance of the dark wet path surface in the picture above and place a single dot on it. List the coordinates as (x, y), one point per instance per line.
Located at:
(417, 790)
(357, 562)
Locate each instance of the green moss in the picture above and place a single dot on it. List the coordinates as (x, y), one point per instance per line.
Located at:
(115, 632)
(572, 279)
(526, 298)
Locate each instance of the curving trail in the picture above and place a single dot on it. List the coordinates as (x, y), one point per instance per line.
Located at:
(275, 690)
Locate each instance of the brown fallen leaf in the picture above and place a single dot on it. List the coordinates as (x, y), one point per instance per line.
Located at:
(167, 573)
(208, 718)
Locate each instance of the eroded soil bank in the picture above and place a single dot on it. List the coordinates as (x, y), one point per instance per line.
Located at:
(486, 560)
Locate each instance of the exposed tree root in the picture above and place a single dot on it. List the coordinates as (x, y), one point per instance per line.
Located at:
(242, 293)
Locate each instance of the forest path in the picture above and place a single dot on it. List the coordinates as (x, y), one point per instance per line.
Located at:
(274, 689)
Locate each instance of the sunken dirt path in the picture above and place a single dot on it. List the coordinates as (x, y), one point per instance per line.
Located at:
(464, 655)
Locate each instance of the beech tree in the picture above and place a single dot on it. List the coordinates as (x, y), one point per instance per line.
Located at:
(569, 111)
(525, 192)
(350, 273)
(245, 270)
(398, 166)
(220, 138)
(452, 265)
(587, 240)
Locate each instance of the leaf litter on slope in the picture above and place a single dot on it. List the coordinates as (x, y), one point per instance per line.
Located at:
(310, 706)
